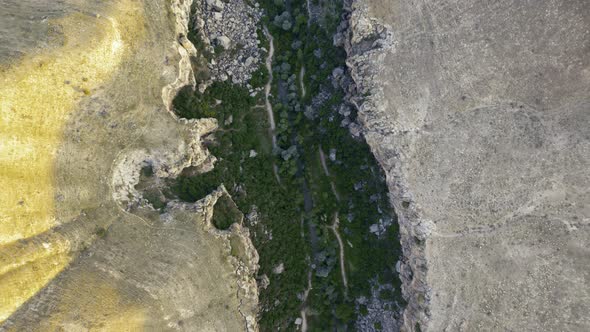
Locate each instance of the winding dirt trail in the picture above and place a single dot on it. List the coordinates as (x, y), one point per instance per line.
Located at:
(267, 87)
(323, 160)
(268, 105)
(301, 75)
(334, 228)
(325, 167)
(304, 309)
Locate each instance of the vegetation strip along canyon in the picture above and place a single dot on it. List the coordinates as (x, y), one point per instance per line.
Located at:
(349, 245)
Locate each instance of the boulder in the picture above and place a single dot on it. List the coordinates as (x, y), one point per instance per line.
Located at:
(223, 41)
(216, 5)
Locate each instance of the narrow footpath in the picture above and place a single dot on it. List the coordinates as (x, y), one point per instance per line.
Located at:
(301, 75)
(325, 167)
(334, 229)
(304, 309)
(334, 226)
(267, 87)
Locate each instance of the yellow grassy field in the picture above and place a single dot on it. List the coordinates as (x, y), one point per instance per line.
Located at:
(36, 97)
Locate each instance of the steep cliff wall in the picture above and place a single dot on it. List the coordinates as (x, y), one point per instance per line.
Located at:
(479, 114)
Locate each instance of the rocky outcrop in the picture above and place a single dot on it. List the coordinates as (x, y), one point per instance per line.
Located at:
(238, 248)
(184, 74)
(365, 41)
(228, 31)
(165, 163)
(190, 152)
(478, 113)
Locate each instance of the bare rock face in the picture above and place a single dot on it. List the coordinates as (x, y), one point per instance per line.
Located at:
(479, 113)
(165, 162)
(183, 75)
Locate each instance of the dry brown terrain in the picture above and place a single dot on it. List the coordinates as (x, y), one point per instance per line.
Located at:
(81, 113)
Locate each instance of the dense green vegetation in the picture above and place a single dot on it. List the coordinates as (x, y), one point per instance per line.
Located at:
(151, 191)
(251, 181)
(362, 198)
(225, 213)
(259, 77)
(367, 256)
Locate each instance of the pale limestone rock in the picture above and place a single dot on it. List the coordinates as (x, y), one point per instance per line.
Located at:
(482, 132)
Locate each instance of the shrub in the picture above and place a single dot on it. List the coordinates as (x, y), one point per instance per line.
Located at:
(225, 213)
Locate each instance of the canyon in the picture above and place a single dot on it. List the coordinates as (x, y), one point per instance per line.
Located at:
(354, 165)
